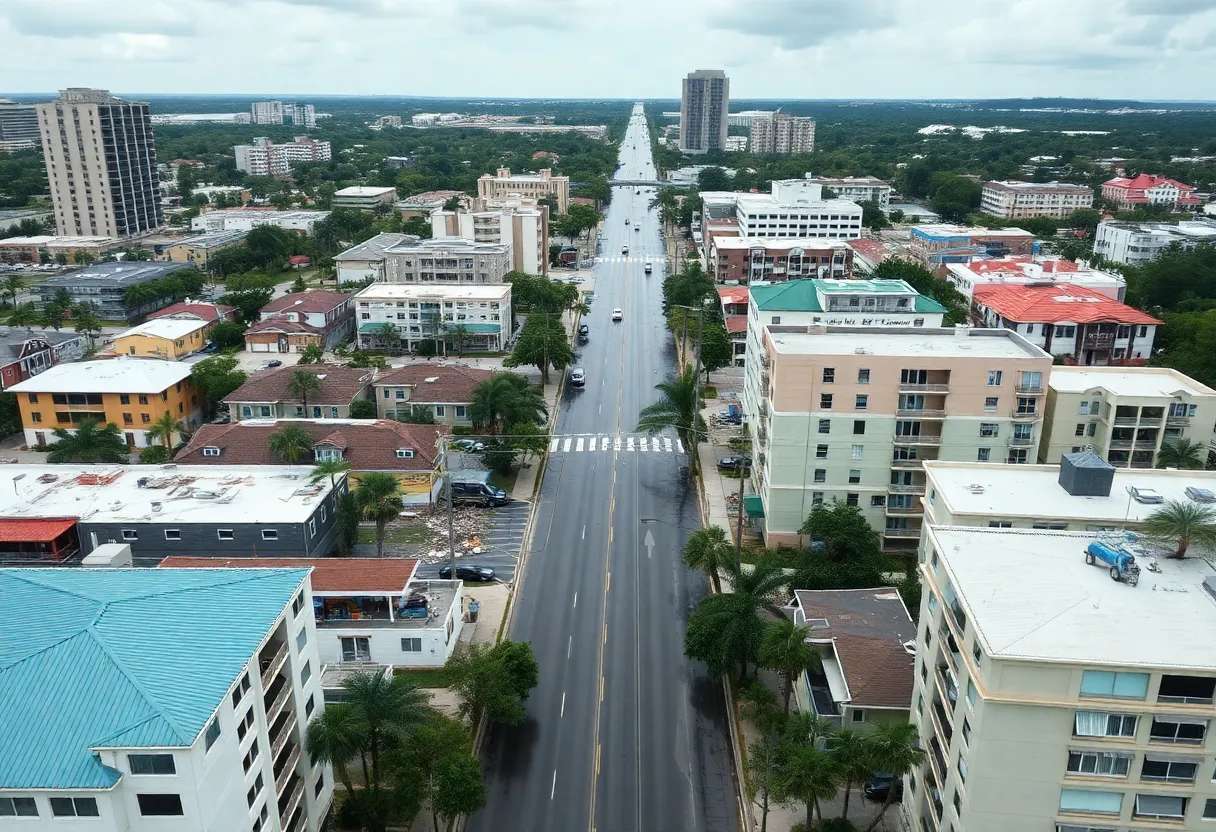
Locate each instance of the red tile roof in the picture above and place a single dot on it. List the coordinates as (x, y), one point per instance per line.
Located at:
(1057, 304)
(367, 444)
(736, 324)
(872, 250)
(352, 575)
(340, 385)
(314, 300)
(733, 294)
(435, 383)
(1017, 264)
(196, 309)
(33, 531)
(281, 323)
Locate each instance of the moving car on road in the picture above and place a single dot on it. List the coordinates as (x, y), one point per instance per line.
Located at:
(468, 446)
(467, 573)
(626, 220)
(578, 378)
(648, 268)
(584, 329)
(617, 314)
(624, 249)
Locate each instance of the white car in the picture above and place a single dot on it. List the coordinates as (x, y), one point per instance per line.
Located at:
(624, 249)
(648, 268)
(617, 314)
(578, 378)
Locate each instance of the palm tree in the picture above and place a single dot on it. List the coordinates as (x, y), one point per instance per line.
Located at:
(336, 736)
(302, 383)
(379, 500)
(851, 754)
(707, 550)
(330, 468)
(894, 747)
(290, 444)
(1186, 522)
(165, 428)
(385, 708)
(677, 408)
(1181, 453)
(759, 585)
(312, 354)
(89, 443)
(810, 776)
(505, 399)
(785, 650)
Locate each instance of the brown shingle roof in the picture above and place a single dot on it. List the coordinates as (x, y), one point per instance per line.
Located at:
(314, 300)
(434, 383)
(341, 385)
(281, 323)
(198, 309)
(328, 574)
(868, 628)
(368, 444)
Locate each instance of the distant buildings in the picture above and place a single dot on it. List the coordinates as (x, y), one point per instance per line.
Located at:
(295, 321)
(503, 184)
(1032, 271)
(265, 158)
(13, 217)
(267, 112)
(857, 189)
(24, 353)
(247, 219)
(276, 112)
(1070, 321)
(704, 109)
(782, 134)
(689, 175)
(364, 197)
(1135, 243)
(101, 164)
(395, 316)
(32, 249)
(746, 260)
(937, 245)
(18, 125)
(406, 259)
(735, 144)
(197, 250)
(1149, 189)
(523, 225)
(1015, 200)
(268, 395)
(796, 208)
(421, 205)
(104, 287)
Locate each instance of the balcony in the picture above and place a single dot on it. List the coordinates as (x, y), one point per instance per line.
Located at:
(273, 664)
(1186, 690)
(1020, 415)
(765, 381)
(1021, 441)
(920, 413)
(946, 686)
(281, 733)
(1028, 389)
(1120, 444)
(764, 360)
(1126, 421)
(919, 439)
(907, 464)
(902, 534)
(1178, 421)
(924, 388)
(904, 511)
(764, 408)
(278, 698)
(290, 801)
(1098, 341)
(284, 770)
(906, 488)
(941, 721)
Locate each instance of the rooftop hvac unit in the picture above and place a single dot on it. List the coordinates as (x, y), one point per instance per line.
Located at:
(1085, 474)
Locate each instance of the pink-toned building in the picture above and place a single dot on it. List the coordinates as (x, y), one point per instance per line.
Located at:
(1149, 189)
(735, 259)
(1031, 271)
(851, 413)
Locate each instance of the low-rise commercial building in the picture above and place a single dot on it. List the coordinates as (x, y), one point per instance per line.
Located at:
(397, 316)
(851, 413)
(1076, 323)
(781, 133)
(745, 260)
(24, 353)
(106, 734)
(168, 338)
(370, 609)
(795, 208)
(364, 197)
(55, 247)
(857, 188)
(1013, 200)
(537, 185)
(268, 394)
(421, 205)
(410, 260)
(247, 219)
(1135, 243)
(104, 287)
(131, 393)
(1150, 189)
(197, 250)
(295, 321)
(522, 226)
(442, 391)
(1124, 415)
(938, 244)
(1031, 271)
(265, 158)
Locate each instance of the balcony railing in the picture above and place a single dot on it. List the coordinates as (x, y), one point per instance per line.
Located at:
(904, 511)
(763, 408)
(946, 686)
(1178, 421)
(1024, 415)
(907, 464)
(921, 413)
(280, 736)
(1098, 341)
(288, 769)
(291, 801)
(920, 439)
(1120, 444)
(278, 703)
(901, 488)
(923, 388)
(903, 534)
(1021, 441)
(1028, 389)
(272, 666)
(1126, 421)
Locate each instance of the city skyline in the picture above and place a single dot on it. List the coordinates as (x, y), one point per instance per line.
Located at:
(1142, 49)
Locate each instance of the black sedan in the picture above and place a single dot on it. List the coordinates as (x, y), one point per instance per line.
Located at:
(880, 785)
(467, 573)
(734, 463)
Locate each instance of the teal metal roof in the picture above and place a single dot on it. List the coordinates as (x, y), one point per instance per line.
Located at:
(803, 295)
(482, 327)
(136, 658)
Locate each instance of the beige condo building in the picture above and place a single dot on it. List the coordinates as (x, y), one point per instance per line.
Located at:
(852, 413)
(504, 184)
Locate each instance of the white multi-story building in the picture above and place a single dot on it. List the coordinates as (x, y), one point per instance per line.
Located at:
(160, 700)
(1032, 271)
(247, 219)
(505, 185)
(857, 189)
(781, 133)
(524, 227)
(393, 315)
(265, 158)
(266, 112)
(1014, 200)
(365, 197)
(794, 208)
(704, 111)
(447, 260)
(301, 115)
(1134, 243)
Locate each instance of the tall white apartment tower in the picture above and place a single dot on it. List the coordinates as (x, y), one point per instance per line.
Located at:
(100, 164)
(267, 112)
(704, 105)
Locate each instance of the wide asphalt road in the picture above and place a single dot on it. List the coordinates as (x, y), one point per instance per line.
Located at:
(623, 734)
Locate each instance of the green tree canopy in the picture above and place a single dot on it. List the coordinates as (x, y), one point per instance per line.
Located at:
(543, 343)
(493, 682)
(216, 377)
(89, 442)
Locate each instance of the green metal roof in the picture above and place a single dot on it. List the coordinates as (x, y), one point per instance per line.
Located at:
(803, 295)
(377, 327)
(121, 658)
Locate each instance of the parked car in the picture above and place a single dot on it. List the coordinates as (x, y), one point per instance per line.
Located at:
(468, 446)
(467, 573)
(617, 314)
(583, 329)
(210, 348)
(648, 268)
(271, 364)
(734, 463)
(478, 494)
(880, 785)
(577, 377)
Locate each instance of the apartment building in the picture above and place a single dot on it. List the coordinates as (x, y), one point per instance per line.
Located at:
(131, 393)
(268, 394)
(794, 208)
(104, 287)
(937, 244)
(1135, 243)
(857, 189)
(1124, 415)
(1070, 321)
(26, 352)
(704, 111)
(1031, 271)
(100, 163)
(292, 323)
(19, 123)
(169, 338)
(445, 393)
(1013, 200)
(410, 260)
(301, 115)
(398, 316)
(266, 112)
(247, 219)
(364, 197)
(524, 227)
(265, 158)
(782, 134)
(852, 413)
(1150, 189)
(106, 733)
(503, 185)
(366, 262)
(1032, 715)
(745, 259)
(198, 250)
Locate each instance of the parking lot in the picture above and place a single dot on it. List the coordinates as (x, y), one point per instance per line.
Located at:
(501, 543)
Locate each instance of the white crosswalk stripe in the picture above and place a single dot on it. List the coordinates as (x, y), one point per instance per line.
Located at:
(604, 444)
(628, 443)
(616, 443)
(566, 446)
(553, 445)
(578, 445)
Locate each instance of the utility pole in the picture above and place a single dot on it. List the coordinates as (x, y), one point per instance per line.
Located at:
(447, 468)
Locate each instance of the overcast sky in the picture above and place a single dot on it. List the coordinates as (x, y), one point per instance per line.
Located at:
(1156, 49)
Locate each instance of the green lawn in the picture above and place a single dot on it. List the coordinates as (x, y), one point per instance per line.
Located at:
(424, 677)
(505, 482)
(398, 533)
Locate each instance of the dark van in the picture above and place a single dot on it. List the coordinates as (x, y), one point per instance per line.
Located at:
(478, 494)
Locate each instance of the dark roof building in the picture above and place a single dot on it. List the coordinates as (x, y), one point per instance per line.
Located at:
(104, 285)
(443, 390)
(267, 394)
(24, 353)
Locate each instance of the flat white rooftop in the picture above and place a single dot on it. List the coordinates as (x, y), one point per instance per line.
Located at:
(401, 291)
(117, 375)
(185, 493)
(365, 190)
(1034, 491)
(920, 342)
(1144, 382)
(171, 328)
(781, 243)
(1031, 595)
(947, 230)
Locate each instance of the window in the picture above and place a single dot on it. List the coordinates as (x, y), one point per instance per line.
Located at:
(320, 787)
(1080, 431)
(254, 791)
(776, 319)
(989, 429)
(854, 476)
(1099, 763)
(1089, 802)
(982, 454)
(994, 378)
(297, 603)
(238, 692)
(878, 501)
(859, 427)
(858, 451)
(173, 534)
(966, 731)
(244, 725)
(1104, 683)
(861, 401)
(971, 694)
(411, 645)
(850, 499)
(825, 425)
(1178, 730)
(829, 375)
(1169, 769)
(155, 763)
(1159, 806)
(270, 534)
(159, 805)
(224, 534)
(312, 527)
(863, 376)
(1065, 331)
(213, 733)
(301, 639)
(816, 498)
(145, 418)
(821, 475)
(74, 807)
(1099, 724)
(356, 648)
(142, 400)
(18, 807)
(1000, 524)
(250, 756)
(859, 715)
(310, 705)
(130, 534)
(825, 401)
(305, 673)
(990, 404)
(958, 805)
(405, 453)
(962, 770)
(1209, 809)
(440, 411)
(821, 452)
(206, 451)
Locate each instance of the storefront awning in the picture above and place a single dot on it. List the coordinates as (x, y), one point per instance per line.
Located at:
(753, 505)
